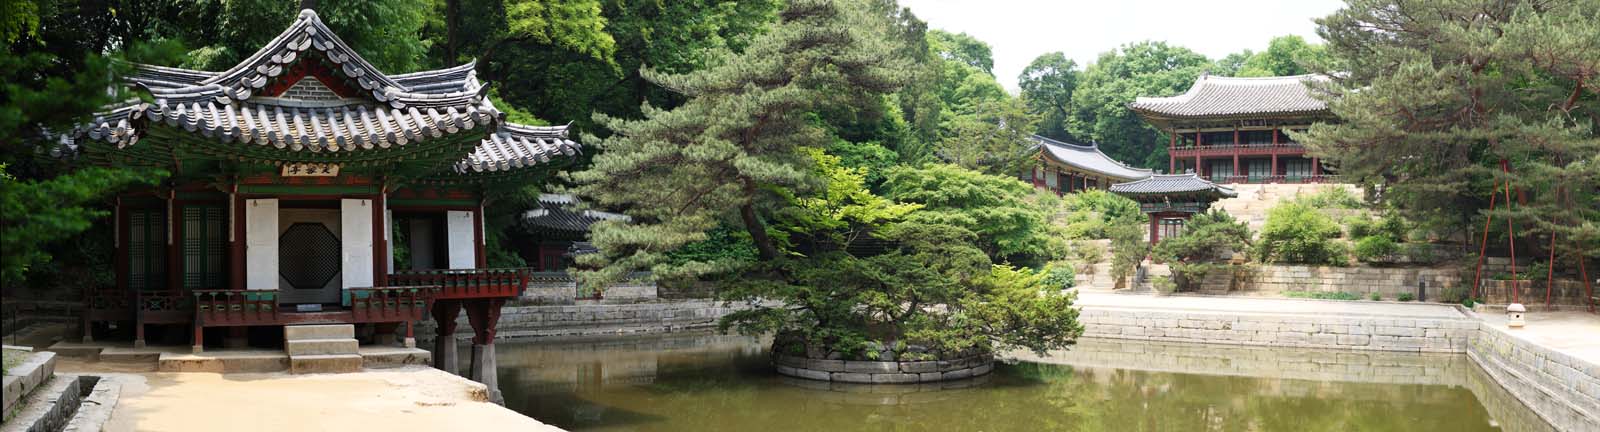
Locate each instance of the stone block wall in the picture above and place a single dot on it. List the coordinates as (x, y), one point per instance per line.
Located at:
(1388, 282)
(551, 288)
(1562, 389)
(1564, 293)
(1305, 331)
(1378, 367)
(595, 319)
(883, 372)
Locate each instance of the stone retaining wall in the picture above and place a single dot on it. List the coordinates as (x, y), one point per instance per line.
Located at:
(563, 290)
(883, 372)
(1563, 390)
(1563, 293)
(1388, 282)
(1304, 331)
(1377, 367)
(595, 319)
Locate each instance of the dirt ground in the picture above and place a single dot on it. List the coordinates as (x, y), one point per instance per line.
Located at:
(402, 399)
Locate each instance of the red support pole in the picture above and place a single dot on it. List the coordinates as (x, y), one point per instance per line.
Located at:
(1588, 287)
(1483, 247)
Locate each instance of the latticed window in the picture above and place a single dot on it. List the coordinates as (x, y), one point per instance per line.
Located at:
(147, 249)
(203, 236)
(1295, 169)
(1258, 169)
(1171, 227)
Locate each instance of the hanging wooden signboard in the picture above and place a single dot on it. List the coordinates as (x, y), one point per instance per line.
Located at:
(310, 170)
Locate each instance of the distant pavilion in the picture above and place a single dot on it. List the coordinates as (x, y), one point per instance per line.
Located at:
(1171, 199)
(1066, 167)
(1231, 130)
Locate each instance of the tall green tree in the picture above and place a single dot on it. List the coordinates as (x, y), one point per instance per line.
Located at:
(680, 172)
(385, 32)
(1285, 55)
(1439, 93)
(1119, 76)
(1047, 85)
(962, 48)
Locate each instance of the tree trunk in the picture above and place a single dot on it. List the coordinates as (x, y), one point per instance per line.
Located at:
(452, 21)
(758, 232)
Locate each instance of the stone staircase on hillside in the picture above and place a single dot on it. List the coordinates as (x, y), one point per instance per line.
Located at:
(330, 348)
(1255, 199)
(1146, 283)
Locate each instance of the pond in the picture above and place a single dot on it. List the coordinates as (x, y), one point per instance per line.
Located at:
(707, 382)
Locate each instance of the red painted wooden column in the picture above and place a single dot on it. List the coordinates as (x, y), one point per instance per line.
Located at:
(1316, 167)
(380, 242)
(1274, 151)
(1236, 171)
(121, 242)
(1155, 229)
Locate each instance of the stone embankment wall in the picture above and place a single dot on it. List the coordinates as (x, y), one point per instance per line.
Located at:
(1561, 389)
(1388, 282)
(1564, 294)
(1375, 367)
(1290, 330)
(883, 372)
(1564, 390)
(546, 289)
(597, 319)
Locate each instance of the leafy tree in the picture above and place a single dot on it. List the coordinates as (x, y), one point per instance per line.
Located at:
(1128, 249)
(678, 173)
(1194, 254)
(993, 137)
(1232, 63)
(1047, 86)
(994, 207)
(1090, 214)
(385, 32)
(963, 49)
(1286, 55)
(1119, 76)
(1439, 93)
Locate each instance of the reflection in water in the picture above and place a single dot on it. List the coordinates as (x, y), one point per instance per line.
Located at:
(704, 382)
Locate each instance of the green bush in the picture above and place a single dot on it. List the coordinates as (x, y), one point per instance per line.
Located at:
(1373, 247)
(1360, 226)
(1374, 297)
(1296, 233)
(1091, 214)
(1193, 254)
(1331, 198)
(1322, 295)
(1059, 275)
(1128, 248)
(1406, 297)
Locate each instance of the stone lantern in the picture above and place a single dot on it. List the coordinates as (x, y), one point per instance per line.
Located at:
(1514, 314)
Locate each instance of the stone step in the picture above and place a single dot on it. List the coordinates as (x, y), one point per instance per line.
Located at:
(320, 346)
(325, 363)
(324, 331)
(383, 357)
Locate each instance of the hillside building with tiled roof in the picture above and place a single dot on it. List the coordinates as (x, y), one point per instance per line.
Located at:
(1233, 130)
(1065, 167)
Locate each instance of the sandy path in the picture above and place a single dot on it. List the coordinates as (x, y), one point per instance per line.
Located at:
(404, 399)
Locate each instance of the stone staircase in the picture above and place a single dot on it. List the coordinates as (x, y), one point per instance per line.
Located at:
(1151, 272)
(328, 348)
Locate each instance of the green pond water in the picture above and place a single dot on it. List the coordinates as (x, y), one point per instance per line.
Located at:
(704, 382)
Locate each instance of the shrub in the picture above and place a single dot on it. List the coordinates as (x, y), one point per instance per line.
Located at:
(1087, 254)
(1374, 297)
(1164, 285)
(1192, 254)
(1128, 248)
(1297, 233)
(1322, 295)
(1331, 198)
(1406, 297)
(1370, 248)
(1059, 275)
(1091, 214)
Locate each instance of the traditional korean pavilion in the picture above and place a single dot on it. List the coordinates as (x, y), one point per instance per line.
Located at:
(1231, 130)
(1065, 167)
(294, 175)
(1170, 199)
(559, 230)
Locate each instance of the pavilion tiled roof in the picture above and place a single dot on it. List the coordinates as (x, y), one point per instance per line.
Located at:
(363, 110)
(1089, 158)
(1162, 184)
(1212, 96)
(556, 213)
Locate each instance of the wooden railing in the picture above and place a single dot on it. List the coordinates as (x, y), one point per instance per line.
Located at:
(236, 307)
(1322, 178)
(391, 304)
(465, 283)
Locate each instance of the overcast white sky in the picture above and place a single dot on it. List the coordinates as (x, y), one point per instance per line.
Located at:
(1020, 30)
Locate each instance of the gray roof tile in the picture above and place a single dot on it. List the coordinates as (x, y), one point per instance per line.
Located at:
(1171, 184)
(1223, 96)
(1089, 158)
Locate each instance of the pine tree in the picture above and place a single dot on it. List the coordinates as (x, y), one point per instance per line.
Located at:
(1439, 93)
(742, 132)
